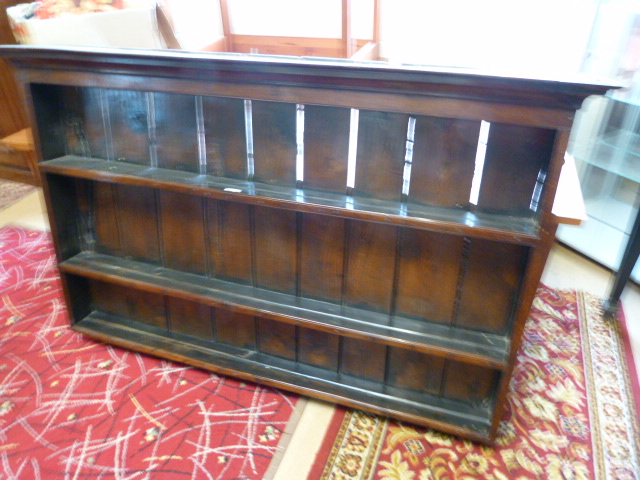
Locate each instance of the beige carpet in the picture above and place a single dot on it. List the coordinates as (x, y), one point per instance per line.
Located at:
(11, 192)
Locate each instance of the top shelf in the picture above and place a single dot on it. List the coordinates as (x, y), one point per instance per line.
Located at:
(447, 220)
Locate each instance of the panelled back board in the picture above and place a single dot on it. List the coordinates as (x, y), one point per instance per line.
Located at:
(363, 233)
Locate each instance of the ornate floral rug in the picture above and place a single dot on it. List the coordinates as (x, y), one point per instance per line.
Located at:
(72, 408)
(571, 413)
(11, 192)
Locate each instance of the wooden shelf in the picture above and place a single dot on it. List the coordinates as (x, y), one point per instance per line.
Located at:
(420, 335)
(283, 373)
(512, 229)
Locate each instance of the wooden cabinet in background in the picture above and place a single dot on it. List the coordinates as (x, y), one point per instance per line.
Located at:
(362, 233)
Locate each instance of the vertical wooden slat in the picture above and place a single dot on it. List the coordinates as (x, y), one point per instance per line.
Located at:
(176, 132)
(137, 219)
(109, 298)
(129, 126)
(326, 148)
(94, 121)
(320, 349)
(322, 257)
(236, 329)
(182, 229)
(149, 308)
(74, 123)
(515, 155)
(370, 270)
(274, 142)
(414, 371)
(469, 383)
(190, 318)
(363, 359)
(276, 338)
(490, 285)
(225, 137)
(106, 225)
(428, 275)
(382, 139)
(444, 152)
(230, 245)
(275, 249)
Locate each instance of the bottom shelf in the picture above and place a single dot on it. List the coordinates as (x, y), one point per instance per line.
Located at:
(457, 417)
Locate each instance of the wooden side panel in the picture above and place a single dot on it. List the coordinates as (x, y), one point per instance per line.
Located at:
(491, 284)
(275, 249)
(47, 104)
(183, 236)
(415, 371)
(469, 383)
(382, 139)
(320, 349)
(225, 136)
(190, 318)
(363, 359)
(444, 152)
(428, 275)
(370, 267)
(128, 120)
(235, 329)
(322, 257)
(515, 156)
(326, 148)
(276, 338)
(106, 224)
(274, 142)
(229, 227)
(137, 221)
(176, 131)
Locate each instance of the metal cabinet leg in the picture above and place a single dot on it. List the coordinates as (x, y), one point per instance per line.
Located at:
(632, 250)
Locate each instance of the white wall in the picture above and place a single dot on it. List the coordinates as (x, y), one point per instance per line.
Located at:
(524, 35)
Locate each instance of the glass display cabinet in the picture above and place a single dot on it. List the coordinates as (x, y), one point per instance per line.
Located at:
(607, 154)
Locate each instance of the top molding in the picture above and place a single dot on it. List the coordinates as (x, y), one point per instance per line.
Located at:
(317, 73)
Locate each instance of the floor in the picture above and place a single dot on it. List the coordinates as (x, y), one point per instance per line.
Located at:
(564, 269)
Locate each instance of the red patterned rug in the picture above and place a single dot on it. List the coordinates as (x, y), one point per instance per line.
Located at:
(72, 408)
(571, 413)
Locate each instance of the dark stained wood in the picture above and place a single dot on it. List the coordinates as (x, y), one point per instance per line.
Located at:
(138, 222)
(370, 267)
(416, 371)
(317, 348)
(322, 257)
(275, 249)
(176, 131)
(230, 240)
(148, 308)
(274, 142)
(183, 232)
(225, 136)
(128, 119)
(276, 338)
(326, 148)
(469, 383)
(515, 156)
(444, 153)
(190, 318)
(236, 329)
(490, 285)
(382, 140)
(429, 266)
(110, 298)
(107, 231)
(363, 359)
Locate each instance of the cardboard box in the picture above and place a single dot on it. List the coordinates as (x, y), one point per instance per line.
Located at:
(135, 27)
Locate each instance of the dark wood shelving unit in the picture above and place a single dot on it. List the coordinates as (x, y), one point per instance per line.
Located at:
(364, 233)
